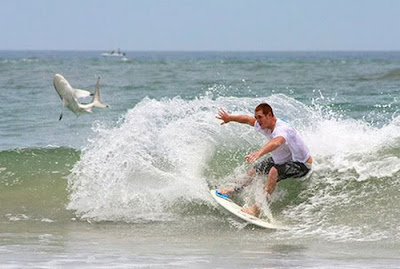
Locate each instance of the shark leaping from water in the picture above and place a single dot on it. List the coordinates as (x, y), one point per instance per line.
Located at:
(69, 96)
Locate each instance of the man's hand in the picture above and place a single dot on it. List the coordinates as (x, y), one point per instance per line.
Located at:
(224, 116)
(269, 147)
(252, 157)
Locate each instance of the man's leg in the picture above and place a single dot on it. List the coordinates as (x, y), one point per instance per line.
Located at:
(249, 178)
(271, 181)
(269, 188)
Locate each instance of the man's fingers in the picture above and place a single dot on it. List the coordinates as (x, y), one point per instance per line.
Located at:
(251, 157)
(222, 112)
(220, 118)
(222, 115)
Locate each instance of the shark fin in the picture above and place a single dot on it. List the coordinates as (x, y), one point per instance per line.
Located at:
(96, 99)
(82, 93)
(62, 110)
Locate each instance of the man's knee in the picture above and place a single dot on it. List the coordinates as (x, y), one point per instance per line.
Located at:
(273, 172)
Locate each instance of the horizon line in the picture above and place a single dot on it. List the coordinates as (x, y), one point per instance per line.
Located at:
(207, 50)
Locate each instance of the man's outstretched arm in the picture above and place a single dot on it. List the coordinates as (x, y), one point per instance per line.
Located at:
(226, 117)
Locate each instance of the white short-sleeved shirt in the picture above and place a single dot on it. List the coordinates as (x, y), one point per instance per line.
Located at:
(293, 150)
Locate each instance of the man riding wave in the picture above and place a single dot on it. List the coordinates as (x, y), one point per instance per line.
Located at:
(290, 156)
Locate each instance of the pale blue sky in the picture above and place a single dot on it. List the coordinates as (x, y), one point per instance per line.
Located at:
(223, 25)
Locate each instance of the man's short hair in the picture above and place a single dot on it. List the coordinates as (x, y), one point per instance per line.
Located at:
(266, 109)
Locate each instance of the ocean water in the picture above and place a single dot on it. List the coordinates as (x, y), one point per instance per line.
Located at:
(127, 186)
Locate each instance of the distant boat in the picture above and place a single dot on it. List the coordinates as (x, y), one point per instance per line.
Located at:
(114, 53)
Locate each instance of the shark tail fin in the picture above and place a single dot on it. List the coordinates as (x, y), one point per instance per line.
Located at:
(96, 99)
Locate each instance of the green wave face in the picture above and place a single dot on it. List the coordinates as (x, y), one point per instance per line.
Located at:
(33, 184)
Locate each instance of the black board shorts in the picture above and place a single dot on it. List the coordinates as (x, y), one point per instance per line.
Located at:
(286, 170)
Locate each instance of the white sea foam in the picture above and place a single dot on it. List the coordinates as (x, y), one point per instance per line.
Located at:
(356, 170)
(151, 161)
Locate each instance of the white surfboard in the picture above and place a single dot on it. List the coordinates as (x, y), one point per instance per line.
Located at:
(235, 209)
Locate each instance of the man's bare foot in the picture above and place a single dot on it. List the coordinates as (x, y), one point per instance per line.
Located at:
(253, 210)
(228, 191)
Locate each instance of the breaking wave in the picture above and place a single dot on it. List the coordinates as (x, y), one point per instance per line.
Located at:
(161, 158)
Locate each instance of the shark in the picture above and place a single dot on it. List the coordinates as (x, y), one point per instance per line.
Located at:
(69, 96)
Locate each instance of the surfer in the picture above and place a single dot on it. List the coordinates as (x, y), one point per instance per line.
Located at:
(290, 156)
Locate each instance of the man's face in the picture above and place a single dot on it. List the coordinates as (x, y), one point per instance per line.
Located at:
(265, 121)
